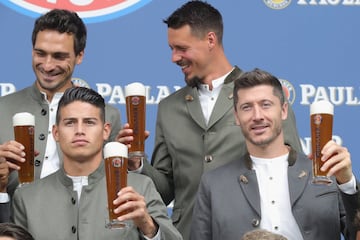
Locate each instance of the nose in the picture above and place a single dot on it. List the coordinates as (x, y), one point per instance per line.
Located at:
(49, 63)
(257, 113)
(175, 56)
(79, 128)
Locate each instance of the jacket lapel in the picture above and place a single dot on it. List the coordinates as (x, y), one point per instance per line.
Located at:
(223, 104)
(249, 186)
(298, 176)
(194, 107)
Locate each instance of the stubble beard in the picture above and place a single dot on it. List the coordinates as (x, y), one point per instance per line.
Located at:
(263, 142)
(193, 82)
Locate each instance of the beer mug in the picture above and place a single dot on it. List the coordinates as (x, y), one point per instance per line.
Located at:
(321, 122)
(116, 161)
(135, 112)
(24, 129)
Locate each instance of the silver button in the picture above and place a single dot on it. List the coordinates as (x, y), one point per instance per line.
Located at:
(208, 158)
(255, 222)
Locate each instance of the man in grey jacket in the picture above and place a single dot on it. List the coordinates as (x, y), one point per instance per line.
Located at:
(58, 40)
(195, 126)
(72, 202)
(269, 187)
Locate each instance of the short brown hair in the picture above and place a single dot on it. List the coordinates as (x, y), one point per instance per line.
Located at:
(262, 234)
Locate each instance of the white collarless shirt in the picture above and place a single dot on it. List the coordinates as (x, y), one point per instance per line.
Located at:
(208, 97)
(276, 213)
(51, 161)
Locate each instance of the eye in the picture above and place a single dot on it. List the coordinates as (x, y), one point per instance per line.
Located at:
(40, 53)
(90, 122)
(267, 104)
(60, 56)
(68, 123)
(245, 107)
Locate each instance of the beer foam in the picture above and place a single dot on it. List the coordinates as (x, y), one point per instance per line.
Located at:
(23, 119)
(115, 149)
(321, 107)
(135, 89)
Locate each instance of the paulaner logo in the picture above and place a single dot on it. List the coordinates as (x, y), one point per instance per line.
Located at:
(89, 10)
(289, 90)
(277, 4)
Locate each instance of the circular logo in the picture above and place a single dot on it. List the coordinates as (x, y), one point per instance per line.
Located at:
(135, 100)
(78, 82)
(117, 162)
(89, 10)
(277, 4)
(289, 90)
(317, 119)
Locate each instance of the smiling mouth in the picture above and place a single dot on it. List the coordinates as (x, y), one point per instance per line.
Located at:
(259, 129)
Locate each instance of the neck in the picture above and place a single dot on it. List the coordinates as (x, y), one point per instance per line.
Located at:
(81, 168)
(217, 69)
(51, 92)
(274, 149)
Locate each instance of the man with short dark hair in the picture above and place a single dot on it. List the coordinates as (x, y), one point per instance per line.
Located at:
(269, 186)
(58, 41)
(10, 231)
(72, 202)
(195, 128)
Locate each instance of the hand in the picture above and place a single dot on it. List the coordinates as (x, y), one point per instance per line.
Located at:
(337, 160)
(13, 152)
(134, 206)
(125, 136)
(4, 174)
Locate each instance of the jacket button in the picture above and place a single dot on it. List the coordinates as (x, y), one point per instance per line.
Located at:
(255, 222)
(208, 158)
(73, 229)
(73, 201)
(37, 163)
(43, 112)
(41, 136)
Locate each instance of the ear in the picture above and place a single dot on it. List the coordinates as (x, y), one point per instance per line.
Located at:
(212, 39)
(55, 132)
(106, 131)
(236, 118)
(284, 110)
(79, 57)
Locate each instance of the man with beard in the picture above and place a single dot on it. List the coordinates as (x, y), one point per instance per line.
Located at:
(195, 129)
(58, 40)
(268, 187)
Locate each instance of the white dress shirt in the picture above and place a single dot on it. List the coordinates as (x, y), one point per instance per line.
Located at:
(51, 161)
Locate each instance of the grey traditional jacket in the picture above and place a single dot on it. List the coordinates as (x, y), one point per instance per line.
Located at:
(31, 100)
(50, 209)
(228, 203)
(186, 147)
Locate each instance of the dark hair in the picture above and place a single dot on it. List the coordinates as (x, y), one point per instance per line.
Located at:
(63, 21)
(258, 77)
(14, 231)
(200, 16)
(81, 94)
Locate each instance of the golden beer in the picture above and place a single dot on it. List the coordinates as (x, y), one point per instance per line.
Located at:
(321, 115)
(24, 129)
(136, 111)
(116, 161)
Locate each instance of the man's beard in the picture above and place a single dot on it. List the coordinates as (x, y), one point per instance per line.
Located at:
(193, 82)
